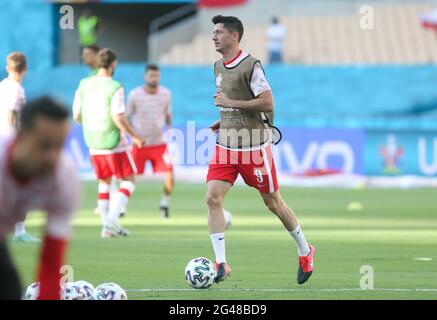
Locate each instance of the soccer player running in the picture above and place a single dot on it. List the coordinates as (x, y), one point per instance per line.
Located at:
(244, 97)
(47, 182)
(99, 107)
(12, 100)
(149, 108)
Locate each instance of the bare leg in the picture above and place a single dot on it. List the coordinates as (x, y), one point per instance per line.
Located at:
(277, 205)
(168, 183)
(167, 191)
(215, 195)
(214, 199)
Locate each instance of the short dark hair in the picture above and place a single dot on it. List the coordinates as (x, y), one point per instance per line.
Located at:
(152, 66)
(232, 24)
(106, 57)
(93, 47)
(45, 107)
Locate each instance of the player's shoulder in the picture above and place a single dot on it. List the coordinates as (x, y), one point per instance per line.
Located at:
(83, 81)
(11, 84)
(135, 92)
(221, 60)
(252, 59)
(164, 90)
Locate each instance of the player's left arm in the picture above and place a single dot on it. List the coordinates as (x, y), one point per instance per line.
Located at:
(118, 109)
(61, 206)
(13, 117)
(77, 107)
(14, 105)
(130, 106)
(169, 114)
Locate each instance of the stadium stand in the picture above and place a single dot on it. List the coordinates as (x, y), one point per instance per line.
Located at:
(334, 38)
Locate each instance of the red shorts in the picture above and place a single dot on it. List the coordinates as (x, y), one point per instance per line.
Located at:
(120, 165)
(158, 155)
(256, 167)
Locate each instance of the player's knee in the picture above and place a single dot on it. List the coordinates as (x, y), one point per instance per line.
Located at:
(168, 190)
(213, 200)
(106, 181)
(130, 178)
(273, 204)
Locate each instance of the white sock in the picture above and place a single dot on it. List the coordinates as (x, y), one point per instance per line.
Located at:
(19, 228)
(113, 188)
(103, 201)
(165, 200)
(120, 200)
(303, 248)
(218, 243)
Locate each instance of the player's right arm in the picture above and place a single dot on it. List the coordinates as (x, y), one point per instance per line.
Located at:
(61, 205)
(123, 124)
(130, 107)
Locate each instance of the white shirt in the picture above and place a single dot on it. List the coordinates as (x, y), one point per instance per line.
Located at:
(258, 83)
(275, 37)
(57, 194)
(118, 106)
(12, 98)
(148, 113)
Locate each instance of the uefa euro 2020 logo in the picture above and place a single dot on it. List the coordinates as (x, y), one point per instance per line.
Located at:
(392, 154)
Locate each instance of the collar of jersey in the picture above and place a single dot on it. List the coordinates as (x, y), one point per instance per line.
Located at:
(234, 62)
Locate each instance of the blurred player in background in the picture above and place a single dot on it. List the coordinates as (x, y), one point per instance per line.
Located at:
(12, 100)
(276, 33)
(88, 28)
(99, 107)
(90, 58)
(149, 107)
(48, 182)
(243, 97)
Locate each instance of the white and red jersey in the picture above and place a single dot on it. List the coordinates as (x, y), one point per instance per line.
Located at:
(12, 98)
(118, 106)
(57, 195)
(149, 112)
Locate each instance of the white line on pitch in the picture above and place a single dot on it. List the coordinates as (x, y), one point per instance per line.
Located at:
(279, 290)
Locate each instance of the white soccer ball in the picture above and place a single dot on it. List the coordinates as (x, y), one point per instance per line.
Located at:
(71, 291)
(109, 291)
(32, 292)
(87, 288)
(200, 273)
(228, 218)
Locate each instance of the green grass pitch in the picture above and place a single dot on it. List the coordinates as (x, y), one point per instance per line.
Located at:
(394, 228)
